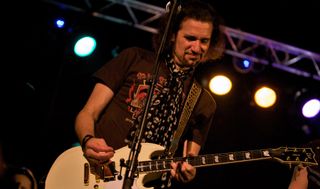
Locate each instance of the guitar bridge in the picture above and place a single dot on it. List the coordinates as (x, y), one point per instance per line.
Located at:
(109, 172)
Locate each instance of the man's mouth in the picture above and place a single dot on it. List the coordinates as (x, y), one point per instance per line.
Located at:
(194, 57)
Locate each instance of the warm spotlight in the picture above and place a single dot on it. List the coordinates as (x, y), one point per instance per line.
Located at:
(265, 97)
(220, 85)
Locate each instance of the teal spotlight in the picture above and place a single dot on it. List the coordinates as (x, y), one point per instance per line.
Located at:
(85, 46)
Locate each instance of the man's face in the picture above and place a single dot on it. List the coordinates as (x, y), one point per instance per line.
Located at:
(192, 42)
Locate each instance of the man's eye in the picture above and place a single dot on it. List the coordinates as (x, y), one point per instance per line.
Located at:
(205, 41)
(190, 38)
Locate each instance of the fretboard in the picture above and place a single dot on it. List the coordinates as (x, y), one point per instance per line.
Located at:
(206, 160)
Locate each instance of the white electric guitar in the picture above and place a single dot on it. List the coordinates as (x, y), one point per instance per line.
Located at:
(71, 169)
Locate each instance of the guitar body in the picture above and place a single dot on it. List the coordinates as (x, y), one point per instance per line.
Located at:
(68, 172)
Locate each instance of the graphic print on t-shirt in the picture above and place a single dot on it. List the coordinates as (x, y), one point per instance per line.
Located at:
(138, 92)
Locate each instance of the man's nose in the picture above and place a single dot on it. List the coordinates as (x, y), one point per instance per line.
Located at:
(196, 47)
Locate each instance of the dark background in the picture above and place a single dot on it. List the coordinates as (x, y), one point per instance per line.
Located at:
(44, 86)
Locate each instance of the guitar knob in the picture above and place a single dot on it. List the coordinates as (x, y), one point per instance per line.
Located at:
(122, 164)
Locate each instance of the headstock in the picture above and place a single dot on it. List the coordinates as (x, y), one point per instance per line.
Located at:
(294, 156)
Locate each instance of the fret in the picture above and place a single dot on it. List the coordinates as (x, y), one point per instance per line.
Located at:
(163, 164)
(153, 166)
(157, 167)
(145, 166)
(224, 157)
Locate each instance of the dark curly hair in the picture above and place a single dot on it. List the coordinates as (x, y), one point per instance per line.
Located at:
(198, 10)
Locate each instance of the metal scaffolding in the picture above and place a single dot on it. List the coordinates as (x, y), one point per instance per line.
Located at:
(240, 44)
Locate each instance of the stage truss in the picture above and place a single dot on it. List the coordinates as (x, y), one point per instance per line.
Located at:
(240, 44)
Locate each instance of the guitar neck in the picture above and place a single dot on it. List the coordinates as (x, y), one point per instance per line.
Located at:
(206, 160)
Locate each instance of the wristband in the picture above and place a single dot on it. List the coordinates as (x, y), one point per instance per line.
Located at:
(85, 140)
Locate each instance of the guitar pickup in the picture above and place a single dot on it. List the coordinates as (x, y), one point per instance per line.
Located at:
(86, 174)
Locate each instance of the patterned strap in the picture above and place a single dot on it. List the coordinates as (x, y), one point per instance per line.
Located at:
(191, 100)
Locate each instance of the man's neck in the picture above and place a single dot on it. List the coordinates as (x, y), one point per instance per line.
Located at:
(178, 61)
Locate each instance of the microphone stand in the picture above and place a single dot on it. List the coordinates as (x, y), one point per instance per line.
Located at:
(135, 146)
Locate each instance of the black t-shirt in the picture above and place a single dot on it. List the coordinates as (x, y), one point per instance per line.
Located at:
(128, 76)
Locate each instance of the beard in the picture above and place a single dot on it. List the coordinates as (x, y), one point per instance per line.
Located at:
(184, 63)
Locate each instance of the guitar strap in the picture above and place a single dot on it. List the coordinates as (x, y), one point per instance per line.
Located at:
(191, 100)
